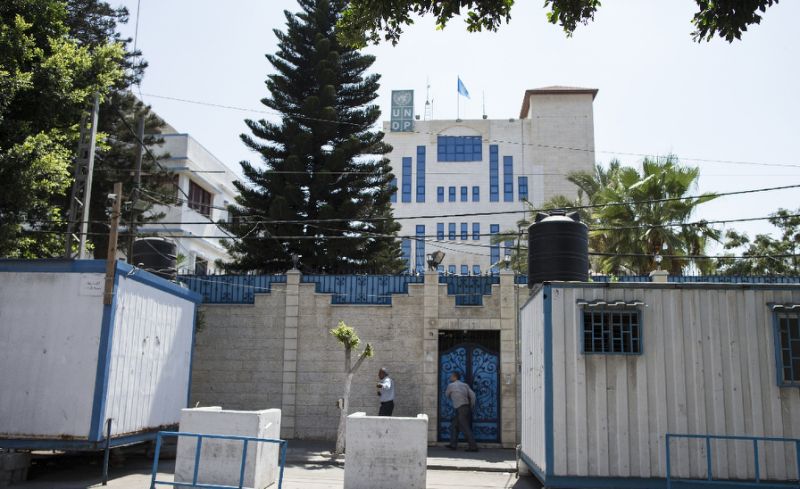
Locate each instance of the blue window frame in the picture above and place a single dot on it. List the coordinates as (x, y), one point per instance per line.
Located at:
(616, 331)
(464, 269)
(459, 148)
(476, 269)
(476, 194)
(523, 188)
(494, 250)
(451, 231)
(393, 189)
(439, 194)
(476, 231)
(420, 173)
(509, 245)
(405, 248)
(508, 179)
(420, 255)
(464, 194)
(787, 345)
(406, 179)
(440, 231)
(494, 174)
(451, 269)
(464, 230)
(451, 194)
(440, 269)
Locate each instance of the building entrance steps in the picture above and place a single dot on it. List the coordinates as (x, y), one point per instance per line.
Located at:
(314, 452)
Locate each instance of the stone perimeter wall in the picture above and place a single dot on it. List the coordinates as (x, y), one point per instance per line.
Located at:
(277, 353)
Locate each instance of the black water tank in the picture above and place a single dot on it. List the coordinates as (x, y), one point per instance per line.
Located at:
(558, 248)
(156, 255)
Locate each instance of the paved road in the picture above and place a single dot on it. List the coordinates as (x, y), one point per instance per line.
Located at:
(83, 473)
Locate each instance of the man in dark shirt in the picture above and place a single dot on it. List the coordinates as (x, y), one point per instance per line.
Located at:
(463, 399)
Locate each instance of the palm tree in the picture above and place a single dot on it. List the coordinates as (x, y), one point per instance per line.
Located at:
(640, 216)
(635, 216)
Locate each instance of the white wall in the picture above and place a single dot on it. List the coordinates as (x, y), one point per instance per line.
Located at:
(708, 367)
(532, 392)
(49, 340)
(150, 358)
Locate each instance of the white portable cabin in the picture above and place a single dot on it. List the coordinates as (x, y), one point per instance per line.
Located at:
(609, 369)
(70, 363)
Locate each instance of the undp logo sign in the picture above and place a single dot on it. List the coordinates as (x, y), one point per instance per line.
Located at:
(402, 119)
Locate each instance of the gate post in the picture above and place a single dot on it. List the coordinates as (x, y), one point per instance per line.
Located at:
(508, 359)
(430, 389)
(288, 398)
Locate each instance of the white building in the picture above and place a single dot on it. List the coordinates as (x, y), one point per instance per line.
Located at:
(452, 167)
(206, 188)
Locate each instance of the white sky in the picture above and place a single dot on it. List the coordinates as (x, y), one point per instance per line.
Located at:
(659, 91)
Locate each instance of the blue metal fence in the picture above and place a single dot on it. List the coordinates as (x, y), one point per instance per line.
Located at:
(362, 289)
(246, 440)
(734, 279)
(709, 480)
(231, 289)
(469, 290)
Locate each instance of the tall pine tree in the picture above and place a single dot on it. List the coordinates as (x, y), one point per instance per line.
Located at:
(324, 189)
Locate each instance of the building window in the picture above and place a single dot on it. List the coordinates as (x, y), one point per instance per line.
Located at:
(200, 266)
(440, 231)
(451, 269)
(393, 190)
(439, 194)
(464, 269)
(440, 269)
(464, 194)
(405, 249)
(420, 256)
(451, 231)
(476, 231)
(523, 188)
(614, 331)
(199, 199)
(494, 249)
(476, 269)
(406, 179)
(476, 194)
(508, 179)
(508, 245)
(451, 194)
(420, 173)
(494, 174)
(787, 324)
(459, 148)
(464, 231)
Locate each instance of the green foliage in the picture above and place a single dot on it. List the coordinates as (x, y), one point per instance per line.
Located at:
(348, 337)
(769, 253)
(365, 21)
(46, 77)
(321, 161)
(633, 217)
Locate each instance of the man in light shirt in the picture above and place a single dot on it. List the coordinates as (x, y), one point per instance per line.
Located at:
(463, 399)
(385, 387)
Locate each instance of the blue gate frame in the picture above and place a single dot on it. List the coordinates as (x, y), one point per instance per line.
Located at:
(480, 368)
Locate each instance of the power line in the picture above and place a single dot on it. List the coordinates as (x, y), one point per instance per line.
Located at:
(558, 147)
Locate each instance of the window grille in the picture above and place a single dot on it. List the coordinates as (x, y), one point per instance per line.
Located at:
(199, 199)
(612, 330)
(787, 324)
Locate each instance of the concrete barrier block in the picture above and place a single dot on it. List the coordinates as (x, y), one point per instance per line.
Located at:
(220, 460)
(386, 452)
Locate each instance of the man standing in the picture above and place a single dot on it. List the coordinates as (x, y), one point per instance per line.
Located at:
(385, 387)
(463, 399)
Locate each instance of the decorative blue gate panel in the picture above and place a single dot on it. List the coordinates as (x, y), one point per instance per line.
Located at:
(480, 369)
(362, 289)
(469, 290)
(231, 289)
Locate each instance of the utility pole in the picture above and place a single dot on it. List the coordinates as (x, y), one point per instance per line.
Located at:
(138, 184)
(111, 259)
(81, 195)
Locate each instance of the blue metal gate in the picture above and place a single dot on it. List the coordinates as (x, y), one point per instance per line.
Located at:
(480, 369)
